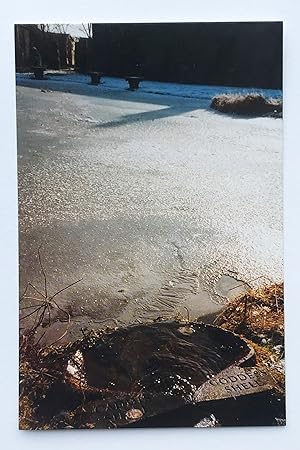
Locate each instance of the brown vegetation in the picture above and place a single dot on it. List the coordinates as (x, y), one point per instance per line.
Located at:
(258, 316)
(259, 311)
(252, 104)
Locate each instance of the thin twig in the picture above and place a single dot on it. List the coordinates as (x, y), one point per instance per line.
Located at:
(27, 307)
(38, 320)
(30, 314)
(40, 338)
(34, 298)
(63, 335)
(33, 287)
(67, 287)
(65, 312)
(42, 315)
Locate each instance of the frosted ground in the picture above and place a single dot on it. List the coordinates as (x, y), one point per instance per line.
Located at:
(156, 202)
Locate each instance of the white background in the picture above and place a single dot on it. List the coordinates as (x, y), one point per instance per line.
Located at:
(70, 11)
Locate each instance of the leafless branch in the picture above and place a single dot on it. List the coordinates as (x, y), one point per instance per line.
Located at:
(87, 29)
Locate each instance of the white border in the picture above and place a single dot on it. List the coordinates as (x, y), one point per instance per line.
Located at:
(70, 11)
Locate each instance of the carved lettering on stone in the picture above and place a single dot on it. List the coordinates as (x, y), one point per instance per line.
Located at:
(233, 382)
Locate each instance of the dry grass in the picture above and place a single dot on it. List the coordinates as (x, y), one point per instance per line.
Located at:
(252, 104)
(258, 312)
(258, 316)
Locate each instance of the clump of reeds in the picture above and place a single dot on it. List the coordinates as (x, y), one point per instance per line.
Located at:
(252, 104)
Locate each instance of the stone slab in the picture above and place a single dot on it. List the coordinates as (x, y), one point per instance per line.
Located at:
(234, 382)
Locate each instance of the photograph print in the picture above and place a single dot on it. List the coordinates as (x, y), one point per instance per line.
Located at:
(150, 211)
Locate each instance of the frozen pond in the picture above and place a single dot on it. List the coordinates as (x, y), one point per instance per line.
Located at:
(148, 198)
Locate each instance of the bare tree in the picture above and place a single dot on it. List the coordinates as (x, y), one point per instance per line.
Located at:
(87, 29)
(61, 28)
(45, 27)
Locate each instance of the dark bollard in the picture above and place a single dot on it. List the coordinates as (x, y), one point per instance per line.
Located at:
(38, 72)
(134, 83)
(95, 77)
